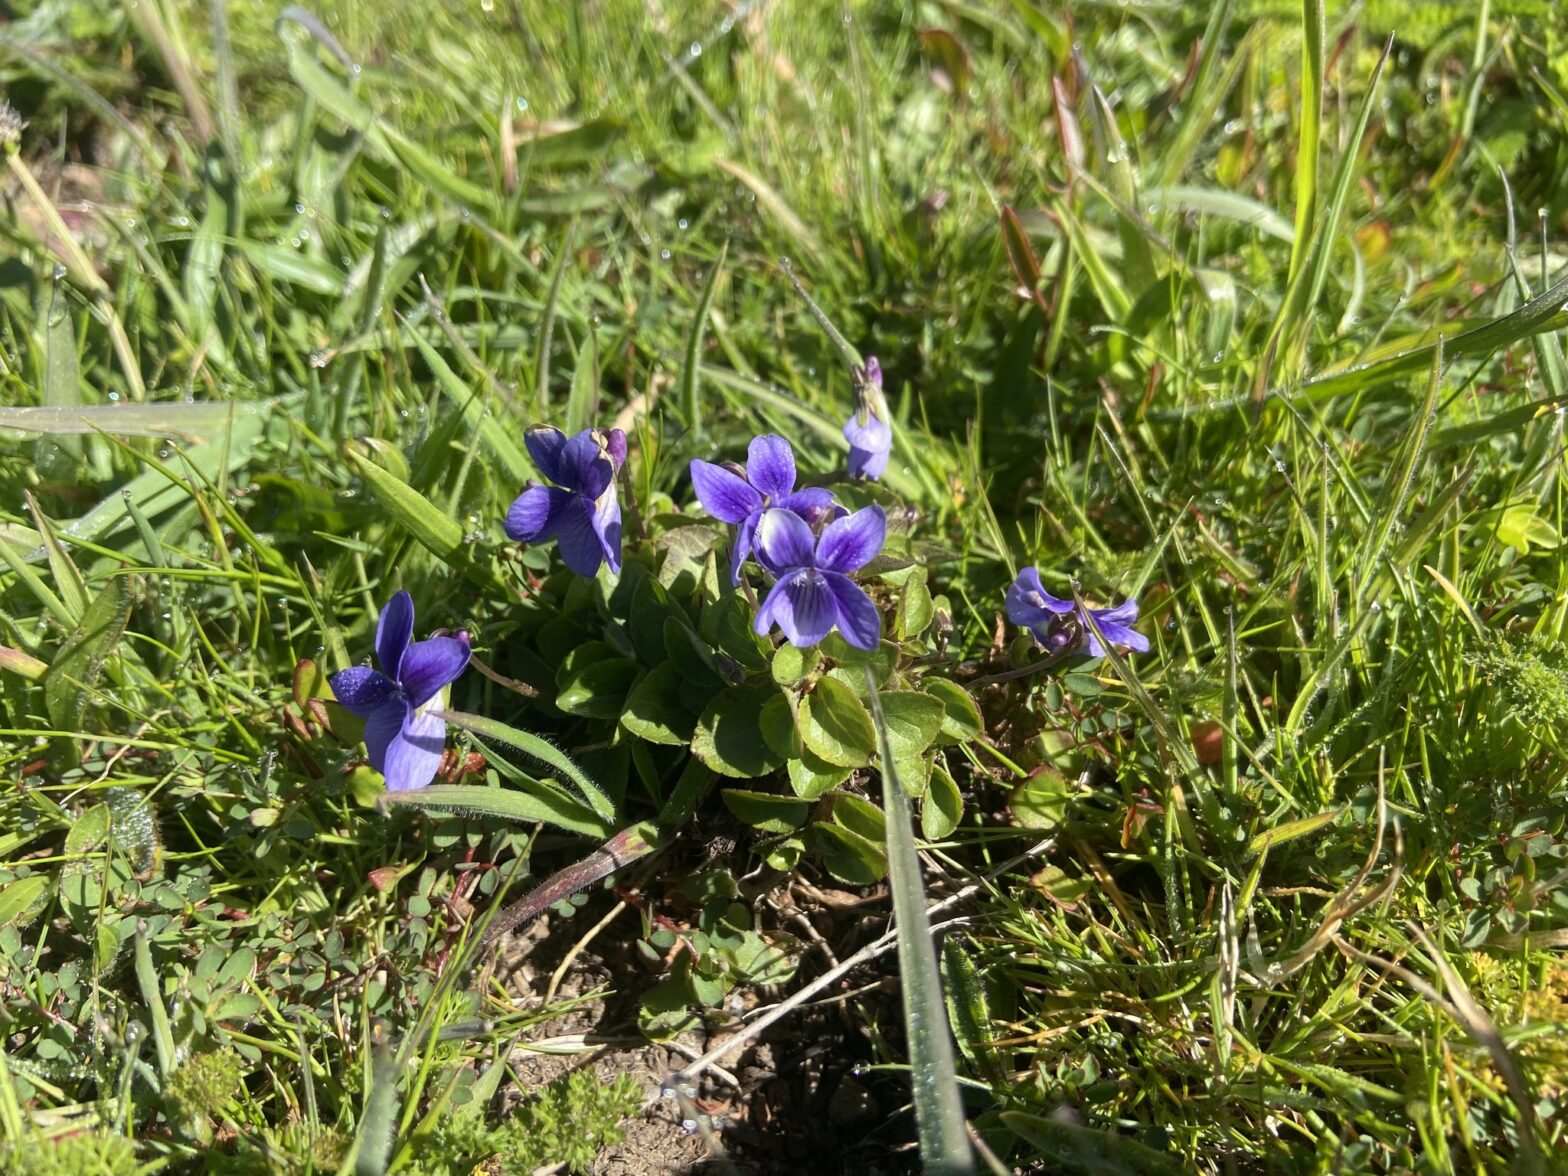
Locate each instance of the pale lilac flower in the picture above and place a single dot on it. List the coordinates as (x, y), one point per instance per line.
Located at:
(1061, 624)
(868, 430)
(580, 512)
(404, 739)
(814, 592)
(740, 496)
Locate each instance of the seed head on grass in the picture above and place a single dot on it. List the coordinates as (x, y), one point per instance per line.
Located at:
(11, 125)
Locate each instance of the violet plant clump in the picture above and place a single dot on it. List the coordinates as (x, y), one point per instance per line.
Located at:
(813, 594)
(1063, 624)
(581, 511)
(739, 496)
(404, 738)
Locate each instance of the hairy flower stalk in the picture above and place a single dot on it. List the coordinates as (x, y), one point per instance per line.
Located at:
(404, 738)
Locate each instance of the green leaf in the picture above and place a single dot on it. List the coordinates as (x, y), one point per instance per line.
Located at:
(654, 711)
(89, 832)
(506, 804)
(593, 682)
(75, 669)
(1291, 830)
(791, 664)
(849, 857)
(835, 725)
(913, 721)
(23, 901)
(537, 748)
(968, 1012)
(859, 815)
(766, 810)
(915, 609)
(961, 722)
(882, 659)
(729, 736)
(942, 807)
(1040, 802)
(432, 527)
(812, 777)
(779, 728)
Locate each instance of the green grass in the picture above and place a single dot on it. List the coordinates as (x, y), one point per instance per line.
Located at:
(1304, 901)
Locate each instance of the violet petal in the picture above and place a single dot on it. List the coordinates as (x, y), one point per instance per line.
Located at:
(579, 542)
(394, 629)
(802, 605)
(783, 541)
(414, 753)
(545, 443)
(430, 665)
(858, 618)
(770, 465)
(531, 517)
(362, 690)
(585, 465)
(850, 543)
(726, 496)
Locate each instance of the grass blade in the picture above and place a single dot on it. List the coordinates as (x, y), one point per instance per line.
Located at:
(506, 804)
(540, 749)
(691, 371)
(939, 1115)
(1311, 133)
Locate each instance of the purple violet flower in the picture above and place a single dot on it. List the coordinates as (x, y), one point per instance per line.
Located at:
(814, 592)
(868, 431)
(738, 496)
(580, 512)
(1059, 624)
(404, 739)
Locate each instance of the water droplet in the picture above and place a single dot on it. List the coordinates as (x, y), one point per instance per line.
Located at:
(113, 396)
(664, 255)
(682, 223)
(355, 69)
(695, 50)
(522, 104)
(786, 265)
(299, 209)
(688, 1125)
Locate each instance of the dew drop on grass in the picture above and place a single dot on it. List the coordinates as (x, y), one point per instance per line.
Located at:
(695, 51)
(113, 396)
(688, 1125)
(664, 255)
(522, 104)
(683, 223)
